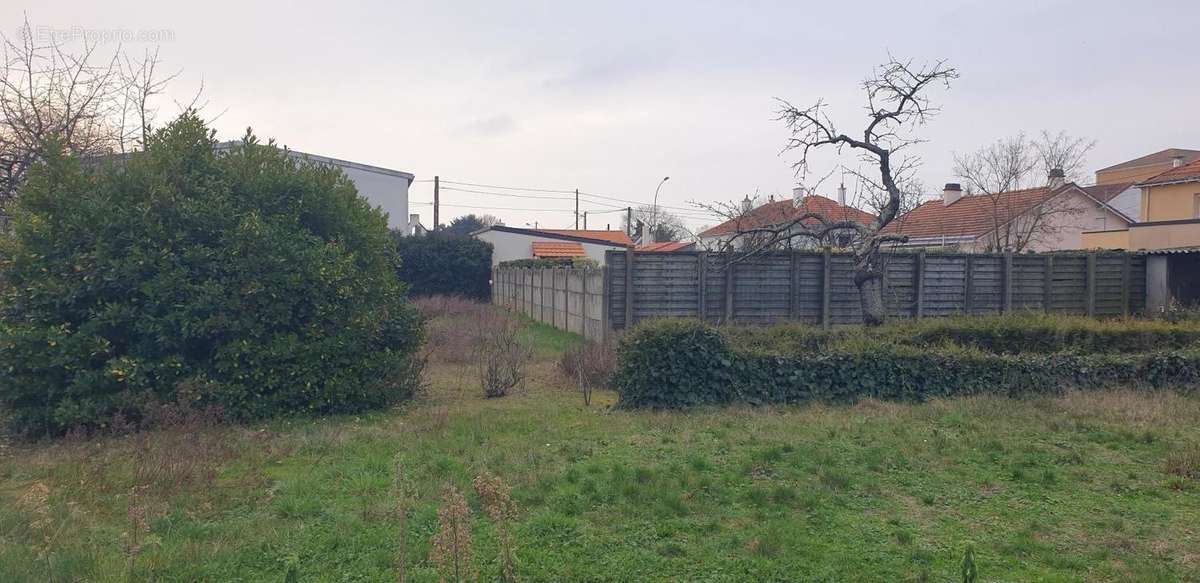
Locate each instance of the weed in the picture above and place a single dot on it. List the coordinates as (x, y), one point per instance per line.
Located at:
(451, 546)
(496, 498)
(1185, 462)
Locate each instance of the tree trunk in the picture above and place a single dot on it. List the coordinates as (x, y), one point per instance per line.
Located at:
(868, 278)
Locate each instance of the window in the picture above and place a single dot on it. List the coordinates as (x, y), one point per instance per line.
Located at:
(1196, 207)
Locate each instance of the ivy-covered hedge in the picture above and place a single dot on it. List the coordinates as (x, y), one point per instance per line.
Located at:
(441, 264)
(679, 363)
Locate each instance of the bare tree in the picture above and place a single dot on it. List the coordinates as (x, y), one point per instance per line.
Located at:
(1005, 170)
(897, 103)
(664, 225)
(91, 103)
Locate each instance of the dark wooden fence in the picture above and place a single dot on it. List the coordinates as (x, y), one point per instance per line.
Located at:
(818, 288)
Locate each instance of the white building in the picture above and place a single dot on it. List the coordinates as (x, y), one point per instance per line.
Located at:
(511, 243)
(383, 187)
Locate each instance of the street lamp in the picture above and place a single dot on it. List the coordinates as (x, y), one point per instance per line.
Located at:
(654, 213)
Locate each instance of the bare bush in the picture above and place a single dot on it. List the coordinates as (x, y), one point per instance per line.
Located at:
(589, 365)
(501, 352)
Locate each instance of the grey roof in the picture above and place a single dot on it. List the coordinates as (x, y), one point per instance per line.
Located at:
(334, 161)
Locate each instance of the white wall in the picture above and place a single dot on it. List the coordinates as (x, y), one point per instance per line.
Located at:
(1129, 202)
(511, 246)
(387, 189)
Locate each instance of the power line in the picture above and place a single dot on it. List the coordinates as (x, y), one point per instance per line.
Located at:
(498, 208)
(537, 196)
(509, 187)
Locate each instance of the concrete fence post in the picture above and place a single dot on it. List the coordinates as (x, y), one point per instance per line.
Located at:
(701, 281)
(919, 283)
(629, 259)
(1006, 306)
(1048, 286)
(729, 283)
(1091, 283)
(1126, 281)
(826, 289)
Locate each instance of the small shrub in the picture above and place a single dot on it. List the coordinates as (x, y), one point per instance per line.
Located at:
(439, 264)
(501, 352)
(589, 365)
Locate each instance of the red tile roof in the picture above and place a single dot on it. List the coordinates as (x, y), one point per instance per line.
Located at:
(618, 237)
(1185, 173)
(967, 216)
(557, 249)
(666, 247)
(780, 212)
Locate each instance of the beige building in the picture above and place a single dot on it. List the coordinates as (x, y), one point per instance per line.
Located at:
(1146, 167)
(1168, 230)
(1168, 214)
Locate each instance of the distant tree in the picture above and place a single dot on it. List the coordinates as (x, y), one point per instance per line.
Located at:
(1017, 163)
(443, 264)
(663, 225)
(467, 224)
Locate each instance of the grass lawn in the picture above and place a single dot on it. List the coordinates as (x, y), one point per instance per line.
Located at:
(1073, 488)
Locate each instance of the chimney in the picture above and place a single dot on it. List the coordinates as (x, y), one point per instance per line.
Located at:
(1176, 161)
(747, 205)
(1057, 178)
(842, 195)
(951, 193)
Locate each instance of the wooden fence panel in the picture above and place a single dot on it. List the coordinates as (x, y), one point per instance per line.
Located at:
(900, 290)
(945, 285)
(1068, 289)
(761, 289)
(792, 286)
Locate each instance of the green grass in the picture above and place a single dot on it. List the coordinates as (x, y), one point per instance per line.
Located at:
(1084, 487)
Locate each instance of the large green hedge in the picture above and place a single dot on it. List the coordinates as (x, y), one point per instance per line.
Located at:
(246, 281)
(440, 264)
(675, 363)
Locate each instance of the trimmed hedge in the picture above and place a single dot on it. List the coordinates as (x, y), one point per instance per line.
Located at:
(440, 264)
(1016, 333)
(679, 363)
(552, 263)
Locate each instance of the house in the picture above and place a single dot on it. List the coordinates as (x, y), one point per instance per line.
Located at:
(511, 243)
(775, 214)
(1169, 231)
(1168, 215)
(382, 187)
(1046, 218)
(1145, 167)
(667, 247)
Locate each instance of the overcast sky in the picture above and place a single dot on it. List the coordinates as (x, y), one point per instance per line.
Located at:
(609, 97)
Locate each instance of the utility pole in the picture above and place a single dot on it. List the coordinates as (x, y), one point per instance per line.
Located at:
(577, 211)
(436, 191)
(585, 220)
(629, 221)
